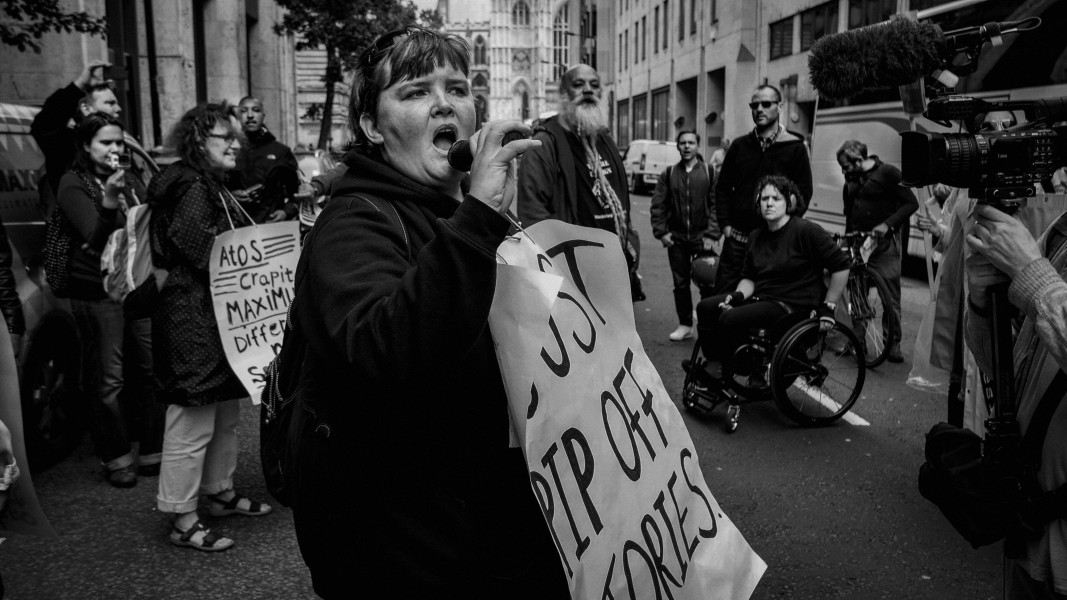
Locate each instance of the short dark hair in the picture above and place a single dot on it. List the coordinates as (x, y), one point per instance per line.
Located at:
(190, 132)
(854, 149)
(678, 138)
(396, 56)
(767, 86)
(785, 187)
(84, 133)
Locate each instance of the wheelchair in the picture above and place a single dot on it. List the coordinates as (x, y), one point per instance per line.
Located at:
(814, 377)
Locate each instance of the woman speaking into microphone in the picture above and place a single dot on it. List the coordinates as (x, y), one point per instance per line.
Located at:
(404, 474)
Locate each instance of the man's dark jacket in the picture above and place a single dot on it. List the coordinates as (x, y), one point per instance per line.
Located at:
(877, 197)
(264, 160)
(548, 176)
(686, 211)
(54, 137)
(745, 164)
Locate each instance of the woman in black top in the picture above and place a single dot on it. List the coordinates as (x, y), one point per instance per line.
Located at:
(784, 263)
(404, 474)
(92, 198)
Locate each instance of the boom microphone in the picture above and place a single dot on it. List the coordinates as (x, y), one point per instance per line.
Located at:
(461, 158)
(879, 56)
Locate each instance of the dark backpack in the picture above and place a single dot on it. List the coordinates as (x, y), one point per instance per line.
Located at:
(279, 419)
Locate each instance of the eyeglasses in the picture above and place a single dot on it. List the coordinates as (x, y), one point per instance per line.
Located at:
(762, 103)
(384, 42)
(229, 138)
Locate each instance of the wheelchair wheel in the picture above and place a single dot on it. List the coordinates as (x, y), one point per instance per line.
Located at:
(871, 311)
(813, 383)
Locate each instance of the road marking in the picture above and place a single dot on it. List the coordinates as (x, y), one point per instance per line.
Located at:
(817, 395)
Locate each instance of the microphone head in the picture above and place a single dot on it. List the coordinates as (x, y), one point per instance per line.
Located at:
(461, 158)
(876, 57)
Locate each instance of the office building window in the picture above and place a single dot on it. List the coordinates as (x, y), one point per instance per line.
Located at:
(714, 16)
(660, 125)
(869, 12)
(782, 38)
(640, 118)
(655, 33)
(692, 17)
(817, 22)
(681, 20)
(666, 19)
(644, 39)
(622, 124)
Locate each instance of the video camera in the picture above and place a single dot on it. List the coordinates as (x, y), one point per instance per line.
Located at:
(1000, 168)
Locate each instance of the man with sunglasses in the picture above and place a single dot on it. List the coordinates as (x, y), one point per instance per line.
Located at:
(769, 149)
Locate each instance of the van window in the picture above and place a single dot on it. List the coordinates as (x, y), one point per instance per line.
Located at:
(662, 153)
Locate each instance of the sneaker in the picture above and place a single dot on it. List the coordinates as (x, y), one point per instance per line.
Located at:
(894, 354)
(122, 478)
(684, 332)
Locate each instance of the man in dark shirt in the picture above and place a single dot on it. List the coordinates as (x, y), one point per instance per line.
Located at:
(769, 149)
(875, 201)
(265, 161)
(576, 175)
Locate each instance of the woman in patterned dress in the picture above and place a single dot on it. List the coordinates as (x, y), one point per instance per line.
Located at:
(190, 206)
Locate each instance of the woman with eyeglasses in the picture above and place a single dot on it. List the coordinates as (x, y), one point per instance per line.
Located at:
(404, 474)
(91, 199)
(190, 206)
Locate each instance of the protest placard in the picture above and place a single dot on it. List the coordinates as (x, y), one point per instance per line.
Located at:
(252, 284)
(611, 462)
(23, 512)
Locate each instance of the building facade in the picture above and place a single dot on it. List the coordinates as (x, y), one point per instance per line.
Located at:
(168, 56)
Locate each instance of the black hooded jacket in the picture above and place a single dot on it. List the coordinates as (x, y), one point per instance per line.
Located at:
(408, 477)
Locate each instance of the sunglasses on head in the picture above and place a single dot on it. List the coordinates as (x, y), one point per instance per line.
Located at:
(761, 103)
(384, 42)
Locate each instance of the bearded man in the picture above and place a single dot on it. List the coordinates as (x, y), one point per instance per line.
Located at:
(576, 175)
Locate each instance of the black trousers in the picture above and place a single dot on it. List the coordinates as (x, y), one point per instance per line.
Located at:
(680, 256)
(723, 331)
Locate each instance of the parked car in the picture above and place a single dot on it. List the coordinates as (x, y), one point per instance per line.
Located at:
(50, 355)
(644, 160)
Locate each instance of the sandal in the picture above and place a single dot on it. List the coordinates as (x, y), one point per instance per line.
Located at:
(199, 537)
(222, 508)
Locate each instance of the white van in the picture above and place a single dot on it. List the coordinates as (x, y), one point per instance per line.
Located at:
(50, 355)
(644, 160)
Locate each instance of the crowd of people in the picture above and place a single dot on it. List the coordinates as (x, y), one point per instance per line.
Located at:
(397, 277)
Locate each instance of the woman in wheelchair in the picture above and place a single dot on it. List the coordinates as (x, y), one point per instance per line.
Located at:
(783, 275)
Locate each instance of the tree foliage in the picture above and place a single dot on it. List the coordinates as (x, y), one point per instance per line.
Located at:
(343, 28)
(27, 20)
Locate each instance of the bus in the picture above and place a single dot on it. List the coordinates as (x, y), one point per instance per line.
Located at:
(1027, 66)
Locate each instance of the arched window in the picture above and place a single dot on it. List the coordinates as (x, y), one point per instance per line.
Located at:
(561, 56)
(479, 81)
(479, 51)
(520, 13)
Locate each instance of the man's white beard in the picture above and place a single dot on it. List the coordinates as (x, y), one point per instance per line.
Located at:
(584, 117)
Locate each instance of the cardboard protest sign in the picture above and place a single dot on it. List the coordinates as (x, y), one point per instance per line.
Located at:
(611, 462)
(252, 284)
(23, 513)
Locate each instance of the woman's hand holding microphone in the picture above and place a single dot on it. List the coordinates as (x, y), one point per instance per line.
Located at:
(494, 171)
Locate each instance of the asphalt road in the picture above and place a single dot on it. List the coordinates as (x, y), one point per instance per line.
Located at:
(834, 511)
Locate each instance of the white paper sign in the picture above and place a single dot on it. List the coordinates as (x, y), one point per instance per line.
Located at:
(252, 284)
(611, 462)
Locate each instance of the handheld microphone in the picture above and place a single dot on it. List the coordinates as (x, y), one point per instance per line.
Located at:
(880, 56)
(461, 158)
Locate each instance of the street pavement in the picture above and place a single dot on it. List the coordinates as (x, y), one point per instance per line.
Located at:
(833, 511)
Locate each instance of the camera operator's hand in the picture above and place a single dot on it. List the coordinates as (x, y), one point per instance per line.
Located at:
(881, 230)
(93, 74)
(1003, 240)
(667, 240)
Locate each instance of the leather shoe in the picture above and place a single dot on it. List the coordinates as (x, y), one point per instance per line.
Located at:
(684, 332)
(894, 354)
(124, 477)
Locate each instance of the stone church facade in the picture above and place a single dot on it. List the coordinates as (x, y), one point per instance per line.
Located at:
(520, 49)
